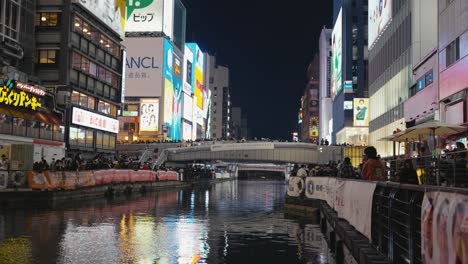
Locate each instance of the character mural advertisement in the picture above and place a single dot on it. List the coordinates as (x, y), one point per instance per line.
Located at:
(172, 91)
(149, 115)
(336, 63)
(361, 112)
(380, 14)
(444, 228)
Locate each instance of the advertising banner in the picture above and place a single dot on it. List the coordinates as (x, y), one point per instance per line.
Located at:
(188, 108)
(110, 12)
(313, 128)
(172, 91)
(89, 119)
(197, 74)
(143, 72)
(337, 61)
(361, 112)
(380, 14)
(186, 131)
(317, 188)
(188, 67)
(331, 192)
(444, 228)
(149, 115)
(354, 203)
(144, 15)
(348, 105)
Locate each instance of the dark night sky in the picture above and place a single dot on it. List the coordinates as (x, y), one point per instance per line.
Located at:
(267, 46)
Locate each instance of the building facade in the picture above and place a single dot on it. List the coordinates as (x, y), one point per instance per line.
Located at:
(31, 126)
(349, 72)
(325, 101)
(79, 56)
(453, 51)
(309, 128)
(400, 57)
(220, 101)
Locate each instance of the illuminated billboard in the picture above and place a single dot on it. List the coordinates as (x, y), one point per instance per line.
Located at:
(348, 105)
(172, 91)
(361, 112)
(188, 66)
(186, 131)
(110, 12)
(313, 128)
(380, 14)
(337, 61)
(149, 115)
(188, 108)
(150, 15)
(143, 72)
(89, 119)
(197, 74)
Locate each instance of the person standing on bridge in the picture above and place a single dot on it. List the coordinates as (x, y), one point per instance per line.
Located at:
(373, 169)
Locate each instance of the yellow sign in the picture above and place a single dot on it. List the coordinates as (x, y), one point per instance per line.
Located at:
(313, 130)
(15, 98)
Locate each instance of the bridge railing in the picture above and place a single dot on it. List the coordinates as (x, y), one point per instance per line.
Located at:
(403, 219)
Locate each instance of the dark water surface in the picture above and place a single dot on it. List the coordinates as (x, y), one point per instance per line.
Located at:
(231, 222)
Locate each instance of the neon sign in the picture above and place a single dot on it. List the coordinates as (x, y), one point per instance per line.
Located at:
(12, 97)
(29, 88)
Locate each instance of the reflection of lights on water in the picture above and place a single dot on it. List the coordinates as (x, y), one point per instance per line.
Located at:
(226, 243)
(207, 200)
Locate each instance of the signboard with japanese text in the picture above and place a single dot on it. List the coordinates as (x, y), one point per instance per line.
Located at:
(149, 115)
(144, 66)
(110, 12)
(150, 16)
(13, 94)
(89, 119)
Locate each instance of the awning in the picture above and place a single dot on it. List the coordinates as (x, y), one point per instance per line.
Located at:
(49, 118)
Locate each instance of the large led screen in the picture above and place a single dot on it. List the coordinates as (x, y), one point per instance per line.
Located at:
(361, 112)
(380, 14)
(89, 119)
(143, 72)
(149, 115)
(336, 63)
(197, 74)
(172, 91)
(186, 131)
(110, 12)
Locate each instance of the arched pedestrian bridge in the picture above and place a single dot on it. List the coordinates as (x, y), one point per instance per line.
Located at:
(263, 152)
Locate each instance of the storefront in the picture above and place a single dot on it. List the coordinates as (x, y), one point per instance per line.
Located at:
(31, 128)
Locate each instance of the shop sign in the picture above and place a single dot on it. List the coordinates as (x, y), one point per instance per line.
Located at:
(12, 97)
(30, 88)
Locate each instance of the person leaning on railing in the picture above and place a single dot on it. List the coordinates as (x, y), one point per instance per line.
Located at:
(407, 173)
(373, 169)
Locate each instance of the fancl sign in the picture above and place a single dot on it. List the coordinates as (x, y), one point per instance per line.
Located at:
(142, 62)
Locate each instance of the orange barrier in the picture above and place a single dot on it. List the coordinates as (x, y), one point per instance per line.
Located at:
(167, 176)
(38, 180)
(70, 180)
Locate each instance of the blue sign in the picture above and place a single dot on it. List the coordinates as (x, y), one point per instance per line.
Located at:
(172, 87)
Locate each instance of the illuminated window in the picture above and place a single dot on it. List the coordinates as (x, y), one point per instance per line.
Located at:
(46, 56)
(46, 19)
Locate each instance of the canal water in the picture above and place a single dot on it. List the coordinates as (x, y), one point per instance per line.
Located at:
(230, 222)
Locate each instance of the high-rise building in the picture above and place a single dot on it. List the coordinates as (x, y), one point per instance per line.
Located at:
(79, 54)
(31, 126)
(349, 82)
(401, 40)
(325, 101)
(220, 100)
(310, 104)
(453, 48)
(236, 122)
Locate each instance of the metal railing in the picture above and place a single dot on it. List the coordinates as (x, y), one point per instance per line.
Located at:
(448, 169)
(396, 219)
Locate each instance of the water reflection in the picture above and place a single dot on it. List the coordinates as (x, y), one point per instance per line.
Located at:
(231, 222)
